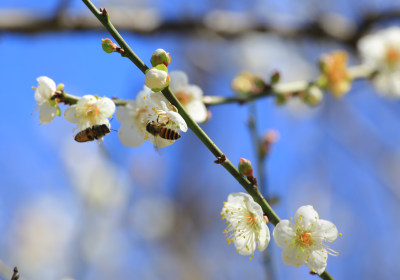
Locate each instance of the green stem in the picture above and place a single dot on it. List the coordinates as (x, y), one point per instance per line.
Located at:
(250, 188)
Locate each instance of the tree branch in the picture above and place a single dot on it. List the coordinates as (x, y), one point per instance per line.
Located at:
(250, 188)
(25, 21)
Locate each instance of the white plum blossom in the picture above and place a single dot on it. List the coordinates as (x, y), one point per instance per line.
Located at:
(190, 96)
(148, 107)
(381, 52)
(89, 111)
(156, 79)
(246, 228)
(304, 242)
(48, 108)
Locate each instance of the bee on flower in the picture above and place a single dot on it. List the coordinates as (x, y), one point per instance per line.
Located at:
(305, 241)
(149, 117)
(90, 111)
(381, 52)
(246, 228)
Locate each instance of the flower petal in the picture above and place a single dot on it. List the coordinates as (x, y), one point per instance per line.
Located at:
(245, 246)
(317, 261)
(305, 215)
(293, 255)
(263, 237)
(130, 135)
(326, 231)
(47, 113)
(106, 106)
(197, 110)
(70, 114)
(179, 80)
(45, 89)
(284, 233)
(177, 118)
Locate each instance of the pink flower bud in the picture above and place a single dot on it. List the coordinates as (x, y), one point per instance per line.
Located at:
(245, 167)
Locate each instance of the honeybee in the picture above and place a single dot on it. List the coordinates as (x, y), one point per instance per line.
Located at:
(161, 129)
(92, 133)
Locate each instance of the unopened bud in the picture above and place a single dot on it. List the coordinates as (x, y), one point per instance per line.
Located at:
(109, 46)
(275, 77)
(247, 83)
(282, 98)
(157, 78)
(60, 87)
(269, 138)
(160, 57)
(265, 219)
(313, 96)
(245, 167)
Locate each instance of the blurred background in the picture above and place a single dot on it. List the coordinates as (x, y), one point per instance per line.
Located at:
(90, 211)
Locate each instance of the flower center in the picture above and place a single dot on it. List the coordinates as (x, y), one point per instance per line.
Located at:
(392, 56)
(183, 97)
(92, 111)
(304, 239)
(251, 220)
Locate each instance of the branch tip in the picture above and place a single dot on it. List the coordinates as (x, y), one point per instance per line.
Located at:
(15, 275)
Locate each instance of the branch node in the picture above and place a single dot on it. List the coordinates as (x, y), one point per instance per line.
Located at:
(120, 51)
(253, 180)
(104, 11)
(220, 160)
(59, 97)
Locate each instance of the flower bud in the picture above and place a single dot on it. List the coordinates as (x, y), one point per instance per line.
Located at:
(269, 138)
(247, 83)
(313, 96)
(245, 167)
(109, 46)
(157, 78)
(160, 57)
(275, 77)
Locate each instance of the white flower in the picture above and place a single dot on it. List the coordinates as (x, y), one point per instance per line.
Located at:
(381, 52)
(246, 226)
(89, 111)
(48, 108)
(156, 79)
(149, 106)
(303, 242)
(190, 96)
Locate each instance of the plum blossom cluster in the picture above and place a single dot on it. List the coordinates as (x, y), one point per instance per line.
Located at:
(303, 242)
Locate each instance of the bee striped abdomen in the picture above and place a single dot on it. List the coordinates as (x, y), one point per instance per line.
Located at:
(160, 129)
(169, 134)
